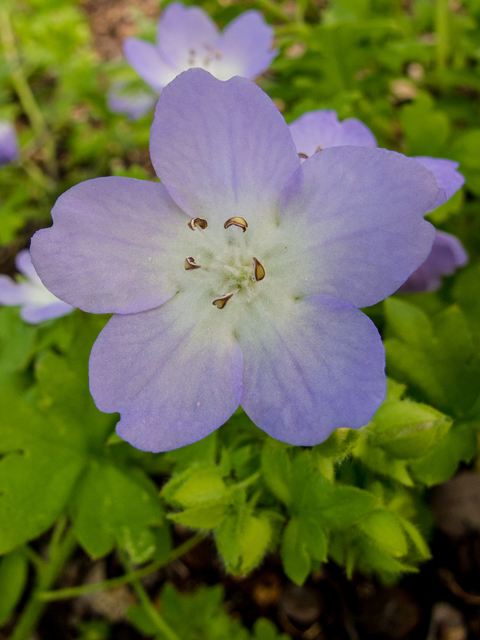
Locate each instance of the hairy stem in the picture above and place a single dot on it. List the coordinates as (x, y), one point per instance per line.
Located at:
(73, 592)
(59, 552)
(153, 614)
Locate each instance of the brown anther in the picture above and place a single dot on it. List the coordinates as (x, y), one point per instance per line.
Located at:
(303, 155)
(237, 222)
(220, 303)
(258, 270)
(191, 264)
(197, 222)
(319, 148)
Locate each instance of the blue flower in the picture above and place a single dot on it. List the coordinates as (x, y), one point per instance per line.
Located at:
(8, 143)
(237, 279)
(317, 130)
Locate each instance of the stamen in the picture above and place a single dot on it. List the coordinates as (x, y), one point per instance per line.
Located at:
(220, 303)
(258, 270)
(237, 222)
(197, 222)
(303, 155)
(319, 148)
(191, 264)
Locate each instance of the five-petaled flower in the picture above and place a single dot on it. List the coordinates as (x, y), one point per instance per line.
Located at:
(36, 301)
(8, 143)
(187, 37)
(237, 280)
(317, 130)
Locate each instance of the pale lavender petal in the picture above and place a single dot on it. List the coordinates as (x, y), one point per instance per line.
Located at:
(352, 223)
(221, 149)
(245, 46)
(186, 36)
(173, 376)
(9, 150)
(134, 105)
(34, 315)
(23, 263)
(448, 178)
(314, 368)
(110, 247)
(11, 293)
(323, 129)
(145, 59)
(447, 255)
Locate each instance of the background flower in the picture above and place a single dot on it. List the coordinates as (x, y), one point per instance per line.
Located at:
(317, 130)
(8, 143)
(199, 329)
(187, 37)
(36, 301)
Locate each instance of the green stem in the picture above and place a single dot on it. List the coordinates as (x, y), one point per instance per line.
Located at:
(25, 95)
(442, 33)
(60, 551)
(155, 617)
(274, 9)
(73, 592)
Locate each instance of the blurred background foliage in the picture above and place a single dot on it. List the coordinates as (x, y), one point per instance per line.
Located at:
(408, 69)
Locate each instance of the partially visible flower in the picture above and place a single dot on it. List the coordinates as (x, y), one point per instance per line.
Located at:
(187, 37)
(30, 293)
(8, 143)
(317, 130)
(238, 277)
(134, 104)
(446, 256)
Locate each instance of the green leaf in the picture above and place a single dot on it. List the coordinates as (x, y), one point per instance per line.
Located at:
(277, 469)
(242, 539)
(294, 551)
(110, 506)
(196, 484)
(17, 340)
(343, 506)
(425, 128)
(43, 459)
(13, 578)
(207, 516)
(442, 460)
(407, 429)
(383, 527)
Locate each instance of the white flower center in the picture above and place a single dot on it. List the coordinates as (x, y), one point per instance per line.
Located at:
(225, 269)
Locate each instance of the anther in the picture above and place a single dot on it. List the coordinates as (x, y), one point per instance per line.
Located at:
(237, 222)
(191, 264)
(220, 303)
(303, 155)
(258, 270)
(319, 148)
(197, 222)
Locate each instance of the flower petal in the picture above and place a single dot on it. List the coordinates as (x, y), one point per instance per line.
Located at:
(11, 293)
(318, 366)
(186, 34)
(173, 373)
(222, 149)
(134, 105)
(34, 315)
(23, 263)
(110, 247)
(447, 254)
(352, 224)
(145, 59)
(9, 150)
(245, 47)
(323, 129)
(448, 178)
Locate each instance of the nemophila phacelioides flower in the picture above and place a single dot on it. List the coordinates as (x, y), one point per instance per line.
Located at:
(321, 129)
(36, 301)
(238, 279)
